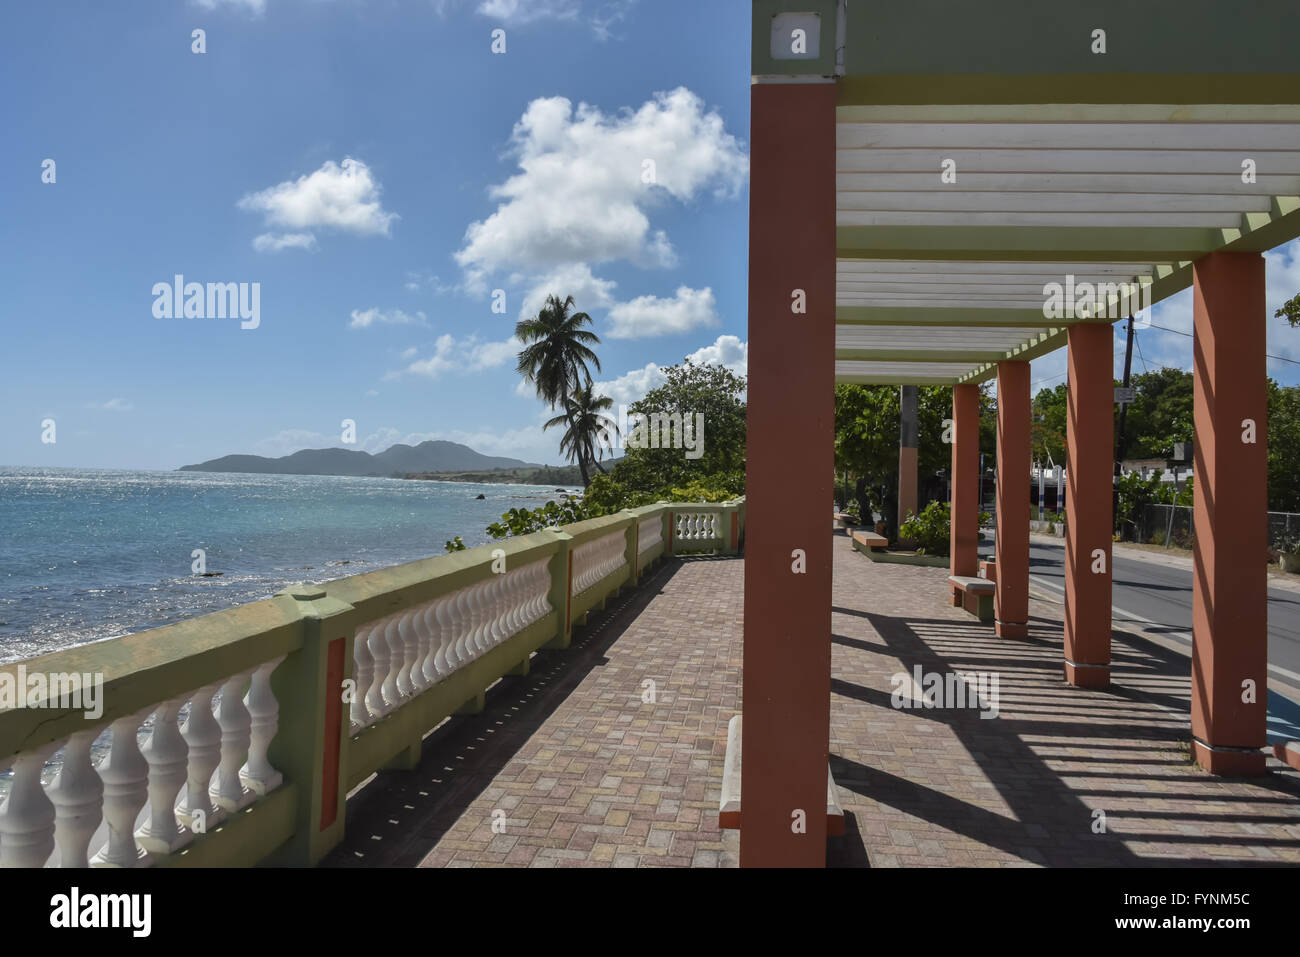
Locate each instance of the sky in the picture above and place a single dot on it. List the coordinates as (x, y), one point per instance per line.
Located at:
(385, 177)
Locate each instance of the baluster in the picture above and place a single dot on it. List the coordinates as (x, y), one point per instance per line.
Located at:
(264, 711)
(516, 599)
(445, 659)
(27, 824)
(363, 673)
(462, 619)
(396, 655)
(423, 637)
(78, 799)
(499, 630)
(379, 650)
(125, 773)
(166, 755)
(478, 617)
(236, 735)
(202, 735)
(431, 667)
(406, 644)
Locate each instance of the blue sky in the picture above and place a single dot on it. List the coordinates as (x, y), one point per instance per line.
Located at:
(380, 172)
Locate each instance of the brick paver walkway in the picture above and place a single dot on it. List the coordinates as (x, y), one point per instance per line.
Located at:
(584, 772)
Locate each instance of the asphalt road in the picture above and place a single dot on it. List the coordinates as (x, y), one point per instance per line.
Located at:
(1159, 598)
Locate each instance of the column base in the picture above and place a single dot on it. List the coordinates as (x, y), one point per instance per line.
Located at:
(1230, 762)
(1011, 629)
(1087, 676)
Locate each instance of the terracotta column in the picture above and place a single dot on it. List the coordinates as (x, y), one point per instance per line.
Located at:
(1229, 591)
(1089, 515)
(908, 440)
(964, 528)
(787, 654)
(1011, 602)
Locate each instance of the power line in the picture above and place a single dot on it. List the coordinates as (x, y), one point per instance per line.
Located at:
(1190, 336)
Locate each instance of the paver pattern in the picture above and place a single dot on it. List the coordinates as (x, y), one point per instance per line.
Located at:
(585, 770)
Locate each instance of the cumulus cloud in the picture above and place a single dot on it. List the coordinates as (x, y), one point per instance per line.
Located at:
(365, 318)
(463, 355)
(255, 7)
(515, 12)
(727, 351)
(574, 279)
(339, 196)
(273, 242)
(651, 316)
(112, 405)
(586, 179)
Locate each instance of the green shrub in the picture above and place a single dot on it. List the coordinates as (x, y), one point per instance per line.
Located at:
(930, 530)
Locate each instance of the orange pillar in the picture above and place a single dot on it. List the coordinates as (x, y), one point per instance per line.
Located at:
(790, 468)
(1011, 601)
(964, 528)
(1229, 590)
(1089, 518)
(908, 441)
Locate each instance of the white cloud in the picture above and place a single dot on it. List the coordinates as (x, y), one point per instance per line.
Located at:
(579, 195)
(337, 196)
(573, 279)
(727, 351)
(516, 12)
(651, 316)
(365, 318)
(465, 355)
(255, 7)
(112, 405)
(273, 242)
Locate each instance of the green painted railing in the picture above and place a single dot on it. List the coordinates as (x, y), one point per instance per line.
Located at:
(234, 738)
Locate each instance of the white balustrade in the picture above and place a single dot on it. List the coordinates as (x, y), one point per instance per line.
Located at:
(236, 734)
(27, 824)
(363, 675)
(597, 559)
(697, 528)
(125, 774)
(166, 754)
(78, 798)
(650, 532)
(264, 710)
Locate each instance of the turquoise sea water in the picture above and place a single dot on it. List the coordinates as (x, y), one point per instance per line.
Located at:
(87, 554)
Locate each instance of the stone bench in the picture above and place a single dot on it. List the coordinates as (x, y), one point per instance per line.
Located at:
(869, 541)
(729, 811)
(973, 594)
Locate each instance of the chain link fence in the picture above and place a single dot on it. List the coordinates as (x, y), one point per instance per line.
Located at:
(1171, 526)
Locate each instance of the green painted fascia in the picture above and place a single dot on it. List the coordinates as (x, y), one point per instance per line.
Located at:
(1027, 243)
(243, 839)
(1098, 88)
(1260, 232)
(761, 62)
(894, 380)
(936, 316)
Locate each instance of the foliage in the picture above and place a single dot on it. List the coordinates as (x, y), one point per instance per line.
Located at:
(523, 521)
(930, 531)
(587, 434)
(455, 545)
(1047, 433)
(1290, 310)
(556, 352)
(1283, 447)
(717, 395)
(1161, 413)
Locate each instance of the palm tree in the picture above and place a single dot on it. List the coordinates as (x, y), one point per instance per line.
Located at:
(586, 425)
(555, 357)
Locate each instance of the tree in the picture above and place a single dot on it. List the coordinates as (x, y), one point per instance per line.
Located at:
(1047, 435)
(1290, 310)
(710, 399)
(555, 356)
(1283, 447)
(584, 439)
(1161, 413)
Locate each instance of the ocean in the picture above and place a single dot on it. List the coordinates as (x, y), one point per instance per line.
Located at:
(88, 554)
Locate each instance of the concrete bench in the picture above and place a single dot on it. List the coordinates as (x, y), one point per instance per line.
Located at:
(864, 541)
(729, 811)
(973, 594)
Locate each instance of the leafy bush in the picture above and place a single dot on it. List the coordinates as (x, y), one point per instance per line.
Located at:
(455, 545)
(930, 530)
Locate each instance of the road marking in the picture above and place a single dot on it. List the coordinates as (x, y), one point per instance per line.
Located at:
(1186, 636)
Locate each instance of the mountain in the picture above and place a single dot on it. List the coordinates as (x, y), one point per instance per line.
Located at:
(398, 460)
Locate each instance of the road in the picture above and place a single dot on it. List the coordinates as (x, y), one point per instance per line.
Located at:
(1158, 598)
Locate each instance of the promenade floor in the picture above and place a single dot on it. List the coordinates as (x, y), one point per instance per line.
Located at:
(582, 763)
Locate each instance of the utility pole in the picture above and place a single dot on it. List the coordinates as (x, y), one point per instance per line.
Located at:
(1121, 440)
